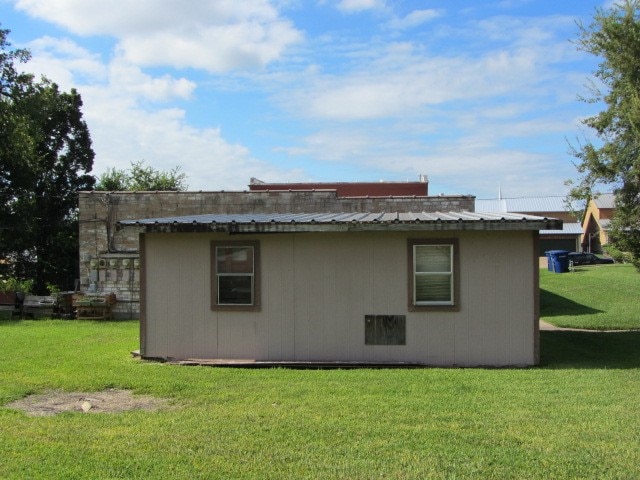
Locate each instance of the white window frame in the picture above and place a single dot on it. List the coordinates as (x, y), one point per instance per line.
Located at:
(453, 302)
(254, 275)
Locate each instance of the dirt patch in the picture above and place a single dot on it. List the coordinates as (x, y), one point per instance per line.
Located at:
(107, 401)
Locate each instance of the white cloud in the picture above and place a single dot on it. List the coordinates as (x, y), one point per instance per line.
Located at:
(70, 65)
(63, 61)
(377, 101)
(414, 19)
(407, 88)
(462, 164)
(215, 49)
(360, 5)
(123, 134)
(133, 81)
(331, 145)
(213, 35)
(523, 31)
(123, 131)
(477, 117)
(124, 17)
(403, 78)
(513, 3)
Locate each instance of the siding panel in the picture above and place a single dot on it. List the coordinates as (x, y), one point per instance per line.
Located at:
(389, 288)
(156, 300)
(278, 282)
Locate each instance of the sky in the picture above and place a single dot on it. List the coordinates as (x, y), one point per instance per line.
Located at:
(482, 96)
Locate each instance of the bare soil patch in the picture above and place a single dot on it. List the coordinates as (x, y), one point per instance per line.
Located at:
(106, 401)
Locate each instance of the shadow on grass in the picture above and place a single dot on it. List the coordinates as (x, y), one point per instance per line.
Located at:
(562, 349)
(16, 322)
(552, 305)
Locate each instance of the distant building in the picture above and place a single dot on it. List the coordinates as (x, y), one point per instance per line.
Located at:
(568, 238)
(351, 189)
(597, 221)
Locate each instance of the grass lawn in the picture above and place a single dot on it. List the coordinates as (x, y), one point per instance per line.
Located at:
(599, 297)
(577, 416)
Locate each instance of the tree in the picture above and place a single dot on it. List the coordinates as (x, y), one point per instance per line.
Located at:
(45, 158)
(142, 178)
(14, 142)
(614, 161)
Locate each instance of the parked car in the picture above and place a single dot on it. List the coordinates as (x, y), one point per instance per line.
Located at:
(588, 259)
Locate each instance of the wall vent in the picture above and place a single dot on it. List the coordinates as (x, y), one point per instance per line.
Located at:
(385, 330)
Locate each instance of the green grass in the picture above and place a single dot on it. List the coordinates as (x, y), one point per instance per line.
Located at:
(577, 416)
(599, 297)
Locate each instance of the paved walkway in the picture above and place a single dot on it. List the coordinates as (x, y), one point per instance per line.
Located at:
(547, 326)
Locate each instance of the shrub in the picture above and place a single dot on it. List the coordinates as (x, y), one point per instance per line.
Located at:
(618, 255)
(13, 284)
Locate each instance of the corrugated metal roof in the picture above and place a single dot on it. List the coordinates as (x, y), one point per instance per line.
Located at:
(605, 200)
(604, 223)
(491, 205)
(289, 222)
(567, 229)
(527, 204)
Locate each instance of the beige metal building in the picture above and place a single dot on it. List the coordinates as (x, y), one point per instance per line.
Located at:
(445, 289)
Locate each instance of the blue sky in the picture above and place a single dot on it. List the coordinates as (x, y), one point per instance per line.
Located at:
(478, 95)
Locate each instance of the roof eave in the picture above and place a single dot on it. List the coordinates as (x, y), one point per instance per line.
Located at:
(296, 227)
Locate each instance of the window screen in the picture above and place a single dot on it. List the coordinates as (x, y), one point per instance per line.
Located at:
(234, 266)
(235, 279)
(433, 275)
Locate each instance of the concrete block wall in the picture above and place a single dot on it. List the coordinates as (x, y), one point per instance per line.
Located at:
(109, 257)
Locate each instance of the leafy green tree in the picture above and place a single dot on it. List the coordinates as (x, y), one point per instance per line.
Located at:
(614, 161)
(113, 180)
(14, 140)
(142, 178)
(45, 157)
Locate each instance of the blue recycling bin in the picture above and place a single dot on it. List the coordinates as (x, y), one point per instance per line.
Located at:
(558, 261)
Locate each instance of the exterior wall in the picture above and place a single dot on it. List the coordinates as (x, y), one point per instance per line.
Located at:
(594, 234)
(558, 242)
(109, 257)
(317, 288)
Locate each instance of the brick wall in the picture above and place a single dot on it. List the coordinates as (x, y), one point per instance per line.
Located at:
(109, 257)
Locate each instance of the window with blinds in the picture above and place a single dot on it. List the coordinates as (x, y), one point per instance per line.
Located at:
(432, 273)
(433, 269)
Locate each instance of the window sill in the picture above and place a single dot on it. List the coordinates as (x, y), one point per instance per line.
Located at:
(235, 308)
(434, 308)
